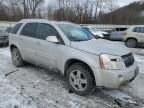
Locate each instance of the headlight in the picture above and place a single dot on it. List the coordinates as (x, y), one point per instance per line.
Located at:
(111, 62)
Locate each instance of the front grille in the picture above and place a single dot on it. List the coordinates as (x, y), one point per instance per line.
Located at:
(128, 59)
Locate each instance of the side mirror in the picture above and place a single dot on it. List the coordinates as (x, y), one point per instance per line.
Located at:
(52, 39)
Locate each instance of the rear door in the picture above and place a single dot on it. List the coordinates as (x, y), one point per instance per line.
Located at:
(28, 42)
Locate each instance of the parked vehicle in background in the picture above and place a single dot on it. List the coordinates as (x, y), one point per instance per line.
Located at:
(8, 29)
(95, 32)
(4, 39)
(117, 33)
(134, 36)
(68, 48)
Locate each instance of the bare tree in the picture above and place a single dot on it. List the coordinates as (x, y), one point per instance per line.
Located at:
(34, 5)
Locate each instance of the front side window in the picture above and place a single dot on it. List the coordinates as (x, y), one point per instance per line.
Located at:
(75, 33)
(16, 28)
(29, 30)
(45, 30)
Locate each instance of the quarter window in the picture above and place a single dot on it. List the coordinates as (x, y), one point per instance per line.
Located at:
(16, 28)
(29, 30)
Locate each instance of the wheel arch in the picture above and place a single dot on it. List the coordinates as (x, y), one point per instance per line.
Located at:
(73, 61)
(131, 38)
(13, 46)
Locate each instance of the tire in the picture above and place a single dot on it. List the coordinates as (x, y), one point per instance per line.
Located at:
(131, 43)
(80, 80)
(16, 58)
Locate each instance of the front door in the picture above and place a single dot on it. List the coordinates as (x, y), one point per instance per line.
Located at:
(47, 52)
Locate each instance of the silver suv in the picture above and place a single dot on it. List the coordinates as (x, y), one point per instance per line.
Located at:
(68, 48)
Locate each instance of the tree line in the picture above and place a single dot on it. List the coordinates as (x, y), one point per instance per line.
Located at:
(77, 11)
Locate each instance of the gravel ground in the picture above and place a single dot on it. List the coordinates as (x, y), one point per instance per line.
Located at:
(34, 87)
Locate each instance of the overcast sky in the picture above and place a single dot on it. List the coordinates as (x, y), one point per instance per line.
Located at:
(120, 2)
(125, 2)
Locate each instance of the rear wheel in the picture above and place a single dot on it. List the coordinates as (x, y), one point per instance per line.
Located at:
(79, 79)
(131, 43)
(16, 57)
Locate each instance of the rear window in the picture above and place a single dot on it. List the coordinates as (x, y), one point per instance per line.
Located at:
(29, 30)
(16, 28)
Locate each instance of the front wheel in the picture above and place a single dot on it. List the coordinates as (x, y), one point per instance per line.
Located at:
(16, 57)
(79, 79)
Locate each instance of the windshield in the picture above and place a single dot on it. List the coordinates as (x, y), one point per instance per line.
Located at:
(75, 33)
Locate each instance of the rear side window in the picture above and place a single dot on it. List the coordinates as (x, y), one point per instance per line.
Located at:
(29, 30)
(123, 29)
(16, 28)
(45, 30)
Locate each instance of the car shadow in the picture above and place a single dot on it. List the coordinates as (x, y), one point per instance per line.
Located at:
(47, 74)
(56, 78)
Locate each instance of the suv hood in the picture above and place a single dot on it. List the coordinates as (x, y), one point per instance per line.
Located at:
(99, 46)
